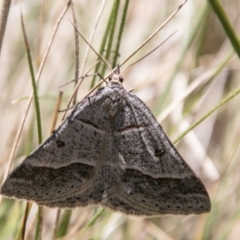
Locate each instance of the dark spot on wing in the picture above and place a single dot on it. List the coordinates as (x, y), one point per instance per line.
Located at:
(159, 153)
(60, 143)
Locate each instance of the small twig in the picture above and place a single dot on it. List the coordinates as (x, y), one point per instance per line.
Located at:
(66, 109)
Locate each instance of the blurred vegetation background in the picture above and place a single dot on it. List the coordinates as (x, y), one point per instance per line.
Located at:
(188, 76)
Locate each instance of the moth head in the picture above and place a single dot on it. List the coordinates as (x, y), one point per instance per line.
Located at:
(115, 78)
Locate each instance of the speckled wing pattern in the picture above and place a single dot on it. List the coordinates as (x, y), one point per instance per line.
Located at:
(110, 151)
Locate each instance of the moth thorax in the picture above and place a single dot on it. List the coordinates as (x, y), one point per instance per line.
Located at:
(114, 106)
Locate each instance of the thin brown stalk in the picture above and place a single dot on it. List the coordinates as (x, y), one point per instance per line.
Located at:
(24, 222)
(85, 40)
(56, 223)
(40, 32)
(75, 21)
(57, 108)
(88, 48)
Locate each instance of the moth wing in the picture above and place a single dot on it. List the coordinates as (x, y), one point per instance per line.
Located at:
(62, 166)
(156, 180)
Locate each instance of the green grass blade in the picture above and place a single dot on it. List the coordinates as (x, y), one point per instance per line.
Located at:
(120, 33)
(195, 29)
(103, 44)
(64, 223)
(108, 50)
(221, 103)
(92, 220)
(222, 16)
(37, 111)
(34, 85)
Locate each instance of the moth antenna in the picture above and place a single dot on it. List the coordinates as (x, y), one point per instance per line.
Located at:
(146, 55)
(85, 75)
(155, 32)
(85, 40)
(118, 70)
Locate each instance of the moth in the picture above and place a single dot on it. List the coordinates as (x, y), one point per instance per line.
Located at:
(112, 152)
